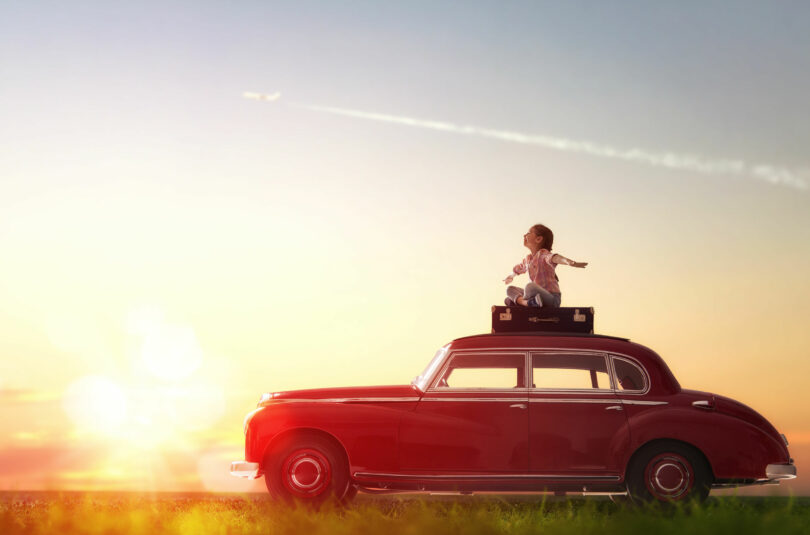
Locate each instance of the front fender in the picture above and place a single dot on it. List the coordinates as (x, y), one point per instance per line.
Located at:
(368, 432)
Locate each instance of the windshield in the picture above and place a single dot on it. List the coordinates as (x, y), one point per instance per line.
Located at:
(421, 380)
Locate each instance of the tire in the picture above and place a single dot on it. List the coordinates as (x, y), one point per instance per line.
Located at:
(307, 469)
(668, 472)
(620, 499)
(351, 492)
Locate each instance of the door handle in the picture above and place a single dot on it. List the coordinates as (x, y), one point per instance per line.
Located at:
(704, 404)
(518, 406)
(614, 408)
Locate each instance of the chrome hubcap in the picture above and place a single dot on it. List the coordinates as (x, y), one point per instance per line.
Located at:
(669, 477)
(306, 473)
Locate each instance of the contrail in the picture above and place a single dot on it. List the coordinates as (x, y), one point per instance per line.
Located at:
(769, 173)
(773, 174)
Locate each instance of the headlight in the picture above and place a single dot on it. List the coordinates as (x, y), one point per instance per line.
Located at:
(785, 439)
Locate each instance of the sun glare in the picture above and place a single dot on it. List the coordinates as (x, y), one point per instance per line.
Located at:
(96, 404)
(151, 411)
(171, 352)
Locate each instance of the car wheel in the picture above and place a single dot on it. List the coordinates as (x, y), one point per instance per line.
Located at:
(308, 470)
(668, 472)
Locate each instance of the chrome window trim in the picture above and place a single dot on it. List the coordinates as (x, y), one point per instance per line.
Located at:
(422, 383)
(529, 350)
(586, 352)
(637, 364)
(590, 477)
(432, 388)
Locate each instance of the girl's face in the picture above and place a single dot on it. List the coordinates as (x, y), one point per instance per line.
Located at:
(531, 239)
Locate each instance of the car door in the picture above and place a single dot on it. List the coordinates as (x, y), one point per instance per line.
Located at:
(577, 424)
(472, 418)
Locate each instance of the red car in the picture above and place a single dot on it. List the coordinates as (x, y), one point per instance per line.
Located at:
(515, 412)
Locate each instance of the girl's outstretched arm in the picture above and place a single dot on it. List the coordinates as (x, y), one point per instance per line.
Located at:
(560, 259)
(517, 270)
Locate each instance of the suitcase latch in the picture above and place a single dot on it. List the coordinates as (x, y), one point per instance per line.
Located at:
(579, 317)
(506, 316)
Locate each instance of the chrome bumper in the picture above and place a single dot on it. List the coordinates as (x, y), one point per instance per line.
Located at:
(245, 469)
(780, 471)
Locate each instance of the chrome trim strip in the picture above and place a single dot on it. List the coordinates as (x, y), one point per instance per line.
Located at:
(572, 400)
(572, 390)
(512, 400)
(426, 398)
(370, 475)
(440, 389)
(615, 400)
(341, 400)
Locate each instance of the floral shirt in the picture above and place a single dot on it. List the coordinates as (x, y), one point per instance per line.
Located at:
(541, 270)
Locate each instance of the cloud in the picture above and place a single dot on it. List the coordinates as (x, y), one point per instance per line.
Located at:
(25, 395)
(45, 460)
(773, 174)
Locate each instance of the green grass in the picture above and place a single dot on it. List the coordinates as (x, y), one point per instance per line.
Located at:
(108, 514)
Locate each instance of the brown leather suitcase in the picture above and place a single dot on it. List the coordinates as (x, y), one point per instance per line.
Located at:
(544, 319)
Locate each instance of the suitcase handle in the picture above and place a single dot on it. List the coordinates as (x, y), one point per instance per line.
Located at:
(547, 320)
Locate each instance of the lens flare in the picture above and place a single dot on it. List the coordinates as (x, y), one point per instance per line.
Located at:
(171, 352)
(95, 404)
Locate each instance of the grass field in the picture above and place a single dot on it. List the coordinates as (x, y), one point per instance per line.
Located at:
(109, 513)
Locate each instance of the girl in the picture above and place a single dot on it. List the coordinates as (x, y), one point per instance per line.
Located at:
(543, 290)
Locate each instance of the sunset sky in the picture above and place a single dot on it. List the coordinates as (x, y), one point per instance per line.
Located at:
(170, 249)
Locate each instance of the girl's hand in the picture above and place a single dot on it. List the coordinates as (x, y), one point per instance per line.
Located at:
(579, 264)
(508, 279)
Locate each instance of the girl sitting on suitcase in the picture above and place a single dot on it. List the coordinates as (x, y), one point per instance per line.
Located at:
(544, 289)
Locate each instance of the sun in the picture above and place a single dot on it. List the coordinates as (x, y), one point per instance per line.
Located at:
(96, 405)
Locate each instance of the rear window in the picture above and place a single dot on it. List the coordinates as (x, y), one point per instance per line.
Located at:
(629, 377)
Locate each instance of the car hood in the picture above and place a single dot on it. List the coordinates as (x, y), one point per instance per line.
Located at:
(351, 392)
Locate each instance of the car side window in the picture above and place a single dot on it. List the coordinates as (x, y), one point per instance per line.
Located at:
(629, 377)
(499, 371)
(561, 371)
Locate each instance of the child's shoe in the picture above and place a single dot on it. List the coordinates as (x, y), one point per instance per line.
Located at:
(534, 301)
(508, 302)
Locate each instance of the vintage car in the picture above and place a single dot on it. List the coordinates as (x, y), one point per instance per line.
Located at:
(527, 412)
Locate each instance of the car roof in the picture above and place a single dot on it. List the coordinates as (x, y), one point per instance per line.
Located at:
(542, 334)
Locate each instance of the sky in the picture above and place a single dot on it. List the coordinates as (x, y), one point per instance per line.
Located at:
(170, 249)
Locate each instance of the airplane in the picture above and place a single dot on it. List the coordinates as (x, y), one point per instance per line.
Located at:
(260, 96)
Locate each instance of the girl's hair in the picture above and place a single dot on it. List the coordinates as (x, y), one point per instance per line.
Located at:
(546, 234)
